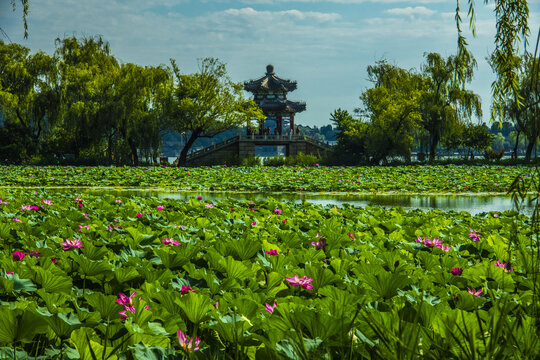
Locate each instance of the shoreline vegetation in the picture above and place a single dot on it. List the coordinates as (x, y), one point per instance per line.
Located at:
(411, 179)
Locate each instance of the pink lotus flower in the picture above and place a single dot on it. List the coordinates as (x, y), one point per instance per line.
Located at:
(209, 206)
(17, 219)
(118, 201)
(254, 223)
(456, 271)
(187, 343)
(277, 211)
(160, 207)
(170, 242)
(270, 308)
(139, 215)
(503, 266)
(78, 199)
(216, 305)
(29, 207)
(475, 292)
(180, 226)
(320, 243)
(18, 255)
(126, 300)
(232, 209)
(474, 235)
(54, 260)
(48, 202)
(81, 227)
(199, 197)
(284, 221)
(495, 215)
(86, 216)
(304, 281)
(123, 312)
(271, 252)
(75, 244)
(80, 205)
(185, 289)
(433, 243)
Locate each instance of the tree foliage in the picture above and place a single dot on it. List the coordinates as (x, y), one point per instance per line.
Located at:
(29, 94)
(207, 103)
(389, 115)
(512, 29)
(524, 114)
(446, 102)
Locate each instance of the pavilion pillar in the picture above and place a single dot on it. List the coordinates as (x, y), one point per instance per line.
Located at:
(280, 124)
(293, 129)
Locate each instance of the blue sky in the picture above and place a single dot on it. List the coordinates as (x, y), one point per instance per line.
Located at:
(325, 45)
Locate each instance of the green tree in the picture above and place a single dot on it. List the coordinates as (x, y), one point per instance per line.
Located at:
(498, 141)
(524, 113)
(351, 134)
(138, 94)
(476, 137)
(446, 101)
(392, 111)
(512, 29)
(89, 73)
(207, 103)
(29, 94)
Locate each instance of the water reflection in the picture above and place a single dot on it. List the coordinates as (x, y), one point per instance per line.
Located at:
(473, 204)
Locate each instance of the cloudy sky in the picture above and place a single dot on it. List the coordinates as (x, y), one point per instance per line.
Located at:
(325, 45)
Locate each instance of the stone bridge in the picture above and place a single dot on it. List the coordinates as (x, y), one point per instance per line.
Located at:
(243, 146)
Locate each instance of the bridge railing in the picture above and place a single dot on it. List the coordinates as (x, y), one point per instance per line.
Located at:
(275, 138)
(213, 147)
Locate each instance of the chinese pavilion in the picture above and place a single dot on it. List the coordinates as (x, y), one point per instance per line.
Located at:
(270, 93)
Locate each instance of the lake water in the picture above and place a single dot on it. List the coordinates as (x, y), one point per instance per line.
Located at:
(472, 203)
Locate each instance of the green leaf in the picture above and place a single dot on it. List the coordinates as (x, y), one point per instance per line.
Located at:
(53, 282)
(92, 268)
(63, 324)
(19, 325)
(235, 269)
(195, 306)
(106, 305)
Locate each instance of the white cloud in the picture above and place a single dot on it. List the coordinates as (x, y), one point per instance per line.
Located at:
(411, 11)
(279, 15)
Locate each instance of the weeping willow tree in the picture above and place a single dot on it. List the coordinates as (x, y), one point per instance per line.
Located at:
(512, 30)
(446, 103)
(25, 7)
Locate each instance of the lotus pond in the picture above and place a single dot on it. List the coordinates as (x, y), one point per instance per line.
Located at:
(402, 179)
(85, 276)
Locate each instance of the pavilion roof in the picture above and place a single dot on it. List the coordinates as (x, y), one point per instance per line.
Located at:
(281, 105)
(269, 82)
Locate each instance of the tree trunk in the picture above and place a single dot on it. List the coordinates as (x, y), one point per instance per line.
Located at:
(514, 154)
(134, 154)
(530, 147)
(183, 154)
(109, 149)
(433, 149)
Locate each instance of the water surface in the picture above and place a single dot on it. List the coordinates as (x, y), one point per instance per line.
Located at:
(472, 203)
